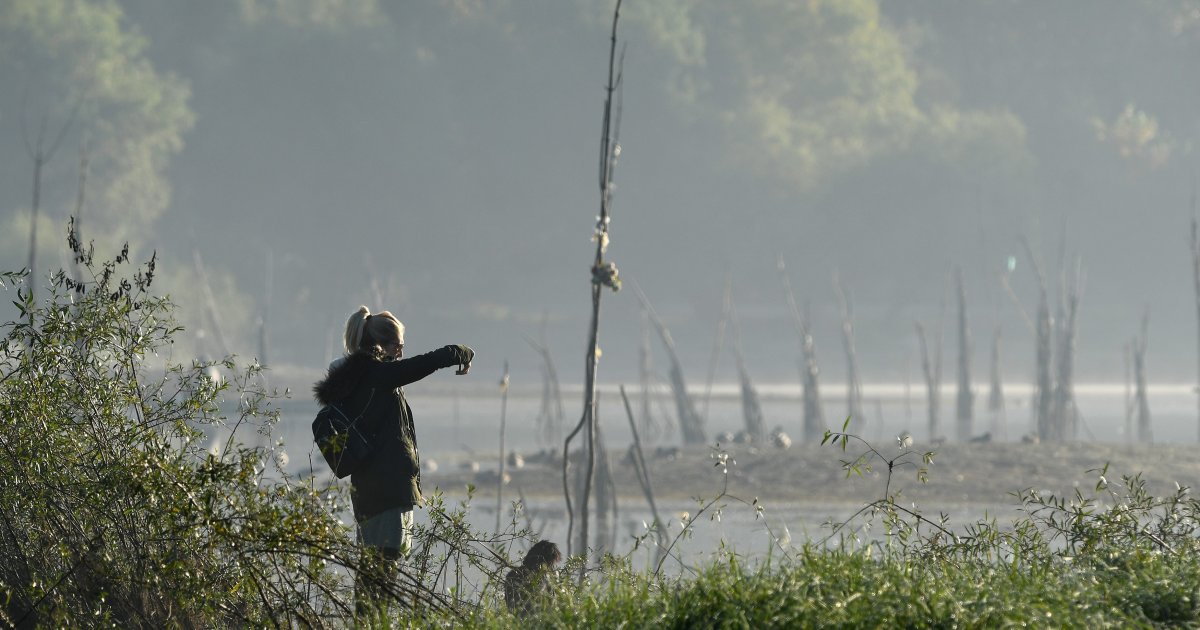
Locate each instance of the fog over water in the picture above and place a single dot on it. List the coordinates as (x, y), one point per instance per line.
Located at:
(439, 160)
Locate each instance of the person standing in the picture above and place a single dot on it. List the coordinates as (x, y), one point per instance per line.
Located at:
(368, 382)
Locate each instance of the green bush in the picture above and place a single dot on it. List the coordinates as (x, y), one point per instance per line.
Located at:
(113, 508)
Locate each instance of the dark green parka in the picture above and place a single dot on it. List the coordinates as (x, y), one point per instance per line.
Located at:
(362, 384)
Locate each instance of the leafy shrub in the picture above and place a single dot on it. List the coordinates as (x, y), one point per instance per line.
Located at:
(113, 507)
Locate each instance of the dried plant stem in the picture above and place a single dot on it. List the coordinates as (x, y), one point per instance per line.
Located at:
(609, 150)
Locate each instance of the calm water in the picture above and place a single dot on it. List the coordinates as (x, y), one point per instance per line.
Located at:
(454, 427)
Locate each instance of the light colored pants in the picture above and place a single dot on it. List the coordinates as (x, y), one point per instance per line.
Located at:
(384, 538)
(388, 530)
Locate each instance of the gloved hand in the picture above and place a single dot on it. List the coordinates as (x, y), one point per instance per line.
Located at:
(465, 356)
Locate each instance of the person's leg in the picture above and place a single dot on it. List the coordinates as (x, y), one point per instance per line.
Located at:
(385, 539)
(372, 580)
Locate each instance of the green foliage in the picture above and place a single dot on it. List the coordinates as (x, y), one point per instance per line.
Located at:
(809, 91)
(114, 509)
(77, 64)
(118, 507)
(328, 14)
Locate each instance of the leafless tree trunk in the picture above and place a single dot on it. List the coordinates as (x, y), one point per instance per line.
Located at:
(643, 476)
(265, 317)
(1127, 355)
(501, 468)
(752, 414)
(932, 369)
(965, 407)
(726, 307)
(550, 415)
(1145, 432)
(606, 495)
(1048, 428)
(210, 303)
(814, 421)
(1066, 412)
(77, 216)
(854, 400)
(690, 422)
(603, 275)
(996, 392)
(645, 369)
(40, 154)
(1196, 288)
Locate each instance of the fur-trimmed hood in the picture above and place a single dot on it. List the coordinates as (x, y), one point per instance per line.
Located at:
(343, 376)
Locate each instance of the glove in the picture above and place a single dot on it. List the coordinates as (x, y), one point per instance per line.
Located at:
(465, 355)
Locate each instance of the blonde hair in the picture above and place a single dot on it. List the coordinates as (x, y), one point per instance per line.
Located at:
(367, 331)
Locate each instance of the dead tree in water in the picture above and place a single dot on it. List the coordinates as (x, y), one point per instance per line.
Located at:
(1196, 287)
(1057, 416)
(651, 427)
(503, 456)
(643, 475)
(1065, 411)
(1145, 434)
(264, 318)
(718, 343)
(550, 415)
(604, 275)
(606, 496)
(690, 422)
(1047, 428)
(999, 421)
(210, 303)
(756, 428)
(965, 407)
(1127, 355)
(932, 370)
(854, 399)
(814, 421)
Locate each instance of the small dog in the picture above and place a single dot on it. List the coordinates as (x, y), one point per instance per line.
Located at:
(525, 585)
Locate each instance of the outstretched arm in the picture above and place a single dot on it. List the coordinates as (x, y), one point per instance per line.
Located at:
(405, 371)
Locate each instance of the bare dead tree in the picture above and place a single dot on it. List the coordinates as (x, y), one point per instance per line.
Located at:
(813, 420)
(726, 307)
(80, 196)
(1065, 410)
(690, 422)
(643, 477)
(854, 398)
(965, 407)
(604, 275)
(210, 303)
(373, 278)
(652, 427)
(1127, 355)
(502, 472)
(606, 495)
(1196, 289)
(264, 319)
(1145, 433)
(40, 154)
(752, 415)
(1047, 428)
(999, 419)
(549, 420)
(932, 369)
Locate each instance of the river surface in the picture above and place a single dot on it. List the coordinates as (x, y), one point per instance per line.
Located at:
(457, 429)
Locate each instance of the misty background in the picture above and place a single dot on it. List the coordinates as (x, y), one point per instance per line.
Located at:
(440, 160)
